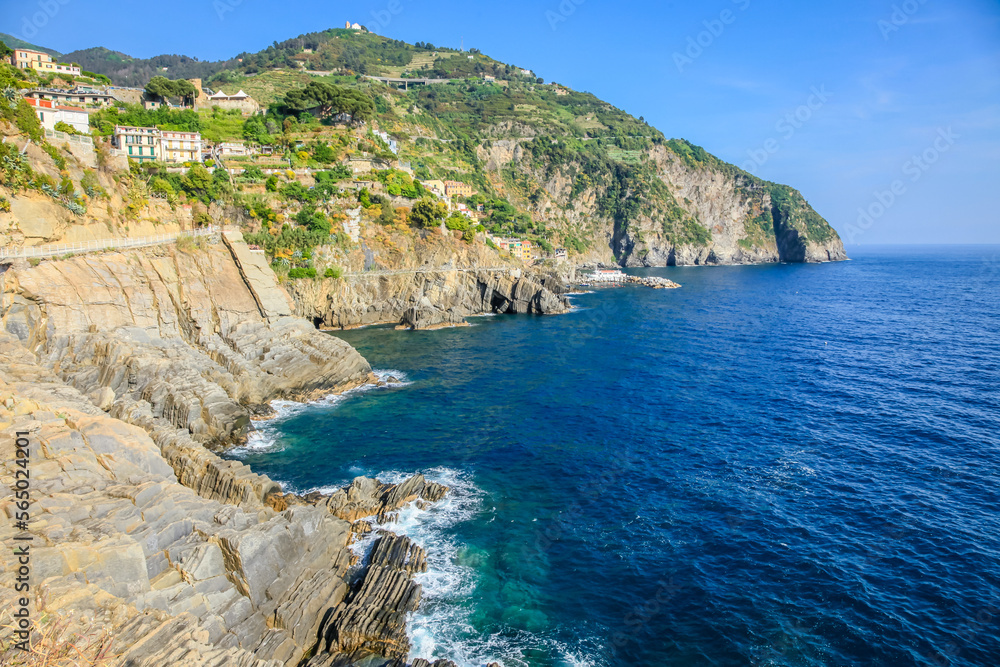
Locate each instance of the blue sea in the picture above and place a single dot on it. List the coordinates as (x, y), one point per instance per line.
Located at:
(774, 465)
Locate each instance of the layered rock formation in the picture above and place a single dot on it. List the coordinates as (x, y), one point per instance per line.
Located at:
(154, 573)
(124, 368)
(422, 300)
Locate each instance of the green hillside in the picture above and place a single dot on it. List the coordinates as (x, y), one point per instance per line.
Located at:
(15, 43)
(555, 165)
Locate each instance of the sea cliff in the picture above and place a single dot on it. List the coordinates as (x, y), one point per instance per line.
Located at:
(126, 370)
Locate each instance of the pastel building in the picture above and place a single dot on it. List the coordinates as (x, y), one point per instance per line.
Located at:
(518, 248)
(139, 143)
(180, 146)
(458, 189)
(41, 62)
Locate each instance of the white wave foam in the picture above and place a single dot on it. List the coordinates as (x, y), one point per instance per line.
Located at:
(442, 626)
(266, 434)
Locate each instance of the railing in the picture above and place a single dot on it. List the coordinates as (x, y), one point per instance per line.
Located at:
(400, 272)
(62, 136)
(56, 250)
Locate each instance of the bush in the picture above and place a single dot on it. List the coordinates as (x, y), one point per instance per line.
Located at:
(272, 184)
(65, 127)
(458, 222)
(334, 272)
(299, 272)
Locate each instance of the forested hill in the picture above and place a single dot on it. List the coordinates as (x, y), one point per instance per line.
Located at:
(125, 70)
(560, 166)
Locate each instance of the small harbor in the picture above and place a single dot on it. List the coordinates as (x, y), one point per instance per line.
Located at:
(617, 278)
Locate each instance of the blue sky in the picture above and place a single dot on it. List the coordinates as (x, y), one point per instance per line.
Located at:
(884, 106)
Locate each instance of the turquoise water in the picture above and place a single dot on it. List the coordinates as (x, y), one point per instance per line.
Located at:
(777, 465)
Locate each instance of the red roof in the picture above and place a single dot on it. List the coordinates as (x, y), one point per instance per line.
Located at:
(71, 109)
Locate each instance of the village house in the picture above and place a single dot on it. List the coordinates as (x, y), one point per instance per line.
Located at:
(518, 248)
(458, 189)
(362, 165)
(607, 276)
(139, 143)
(233, 149)
(49, 113)
(79, 96)
(561, 253)
(41, 62)
(180, 146)
(489, 79)
(435, 186)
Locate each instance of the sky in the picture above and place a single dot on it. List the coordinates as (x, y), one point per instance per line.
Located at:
(885, 114)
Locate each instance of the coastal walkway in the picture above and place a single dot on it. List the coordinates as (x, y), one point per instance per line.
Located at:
(403, 272)
(102, 245)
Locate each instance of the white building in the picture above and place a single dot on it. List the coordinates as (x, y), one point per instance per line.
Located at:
(50, 113)
(607, 276)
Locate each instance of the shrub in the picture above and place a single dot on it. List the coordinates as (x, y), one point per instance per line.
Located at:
(299, 272)
(65, 127)
(334, 272)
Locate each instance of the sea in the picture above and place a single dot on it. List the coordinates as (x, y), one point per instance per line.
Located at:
(787, 465)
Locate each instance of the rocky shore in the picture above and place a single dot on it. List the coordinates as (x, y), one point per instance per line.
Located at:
(128, 371)
(426, 300)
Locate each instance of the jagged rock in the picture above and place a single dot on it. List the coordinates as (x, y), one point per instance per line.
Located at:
(424, 300)
(373, 617)
(370, 498)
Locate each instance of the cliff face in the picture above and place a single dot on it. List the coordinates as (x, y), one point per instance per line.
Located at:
(425, 299)
(181, 335)
(147, 546)
(423, 280)
(669, 203)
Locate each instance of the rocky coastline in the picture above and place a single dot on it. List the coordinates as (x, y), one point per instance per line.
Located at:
(427, 300)
(129, 371)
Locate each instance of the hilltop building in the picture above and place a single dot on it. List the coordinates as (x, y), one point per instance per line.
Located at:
(241, 101)
(41, 62)
(353, 26)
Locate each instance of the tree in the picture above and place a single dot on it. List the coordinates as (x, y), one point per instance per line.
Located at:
(540, 81)
(162, 88)
(428, 213)
(330, 100)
